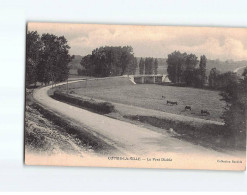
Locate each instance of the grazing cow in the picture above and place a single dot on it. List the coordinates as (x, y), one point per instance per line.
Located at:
(171, 102)
(171, 130)
(205, 112)
(187, 108)
(163, 97)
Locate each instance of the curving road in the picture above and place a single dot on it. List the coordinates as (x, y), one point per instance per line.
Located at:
(128, 138)
(237, 69)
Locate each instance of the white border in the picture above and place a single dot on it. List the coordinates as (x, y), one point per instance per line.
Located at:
(14, 176)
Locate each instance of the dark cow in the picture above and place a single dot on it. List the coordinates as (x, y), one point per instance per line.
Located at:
(171, 102)
(205, 112)
(187, 108)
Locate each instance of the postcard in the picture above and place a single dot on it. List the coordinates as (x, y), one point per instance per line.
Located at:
(135, 96)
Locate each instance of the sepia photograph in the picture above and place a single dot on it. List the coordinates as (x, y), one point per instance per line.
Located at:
(135, 96)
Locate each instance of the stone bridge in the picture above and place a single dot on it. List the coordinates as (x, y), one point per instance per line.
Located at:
(150, 79)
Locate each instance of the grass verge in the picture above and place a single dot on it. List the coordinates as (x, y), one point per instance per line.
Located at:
(92, 105)
(208, 135)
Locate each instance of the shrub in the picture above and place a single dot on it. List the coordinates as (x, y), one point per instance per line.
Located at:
(99, 107)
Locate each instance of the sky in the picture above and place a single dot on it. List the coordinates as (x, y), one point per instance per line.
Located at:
(152, 41)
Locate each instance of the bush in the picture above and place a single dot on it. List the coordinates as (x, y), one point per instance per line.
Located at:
(181, 127)
(208, 135)
(99, 107)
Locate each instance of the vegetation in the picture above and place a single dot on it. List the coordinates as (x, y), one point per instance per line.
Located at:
(47, 58)
(235, 94)
(109, 61)
(244, 74)
(148, 66)
(99, 107)
(208, 135)
(202, 71)
(156, 66)
(150, 96)
(141, 66)
(182, 68)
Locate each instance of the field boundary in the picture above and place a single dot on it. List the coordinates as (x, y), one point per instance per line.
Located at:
(100, 107)
(208, 135)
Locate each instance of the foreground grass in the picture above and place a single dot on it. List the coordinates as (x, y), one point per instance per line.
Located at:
(42, 136)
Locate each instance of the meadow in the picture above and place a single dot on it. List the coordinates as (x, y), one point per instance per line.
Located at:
(150, 96)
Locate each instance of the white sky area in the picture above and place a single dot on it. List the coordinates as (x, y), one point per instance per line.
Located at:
(152, 41)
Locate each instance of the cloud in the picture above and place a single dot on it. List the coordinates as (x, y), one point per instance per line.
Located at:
(155, 41)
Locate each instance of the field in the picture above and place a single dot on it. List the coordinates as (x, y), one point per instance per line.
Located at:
(150, 96)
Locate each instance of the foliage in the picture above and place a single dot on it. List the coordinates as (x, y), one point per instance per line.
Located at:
(202, 71)
(149, 65)
(110, 61)
(182, 67)
(141, 66)
(155, 66)
(244, 74)
(212, 79)
(99, 107)
(33, 55)
(235, 95)
(47, 58)
(175, 67)
(223, 81)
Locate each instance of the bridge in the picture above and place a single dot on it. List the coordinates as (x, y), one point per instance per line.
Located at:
(150, 79)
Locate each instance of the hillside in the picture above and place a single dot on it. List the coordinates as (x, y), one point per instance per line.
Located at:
(222, 66)
(75, 63)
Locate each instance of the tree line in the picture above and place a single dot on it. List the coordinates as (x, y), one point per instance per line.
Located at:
(182, 68)
(187, 69)
(109, 61)
(47, 58)
(235, 95)
(148, 66)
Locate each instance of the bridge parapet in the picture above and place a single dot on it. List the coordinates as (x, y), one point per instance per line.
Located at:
(151, 79)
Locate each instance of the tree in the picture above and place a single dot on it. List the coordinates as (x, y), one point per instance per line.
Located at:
(175, 61)
(156, 66)
(88, 65)
(202, 70)
(244, 74)
(141, 66)
(212, 79)
(33, 51)
(126, 59)
(149, 65)
(110, 61)
(181, 67)
(189, 74)
(54, 59)
(235, 95)
(132, 66)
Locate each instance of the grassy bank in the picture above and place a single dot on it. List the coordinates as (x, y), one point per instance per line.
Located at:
(212, 136)
(48, 132)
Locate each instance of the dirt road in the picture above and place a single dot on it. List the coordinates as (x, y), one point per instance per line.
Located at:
(128, 138)
(238, 69)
